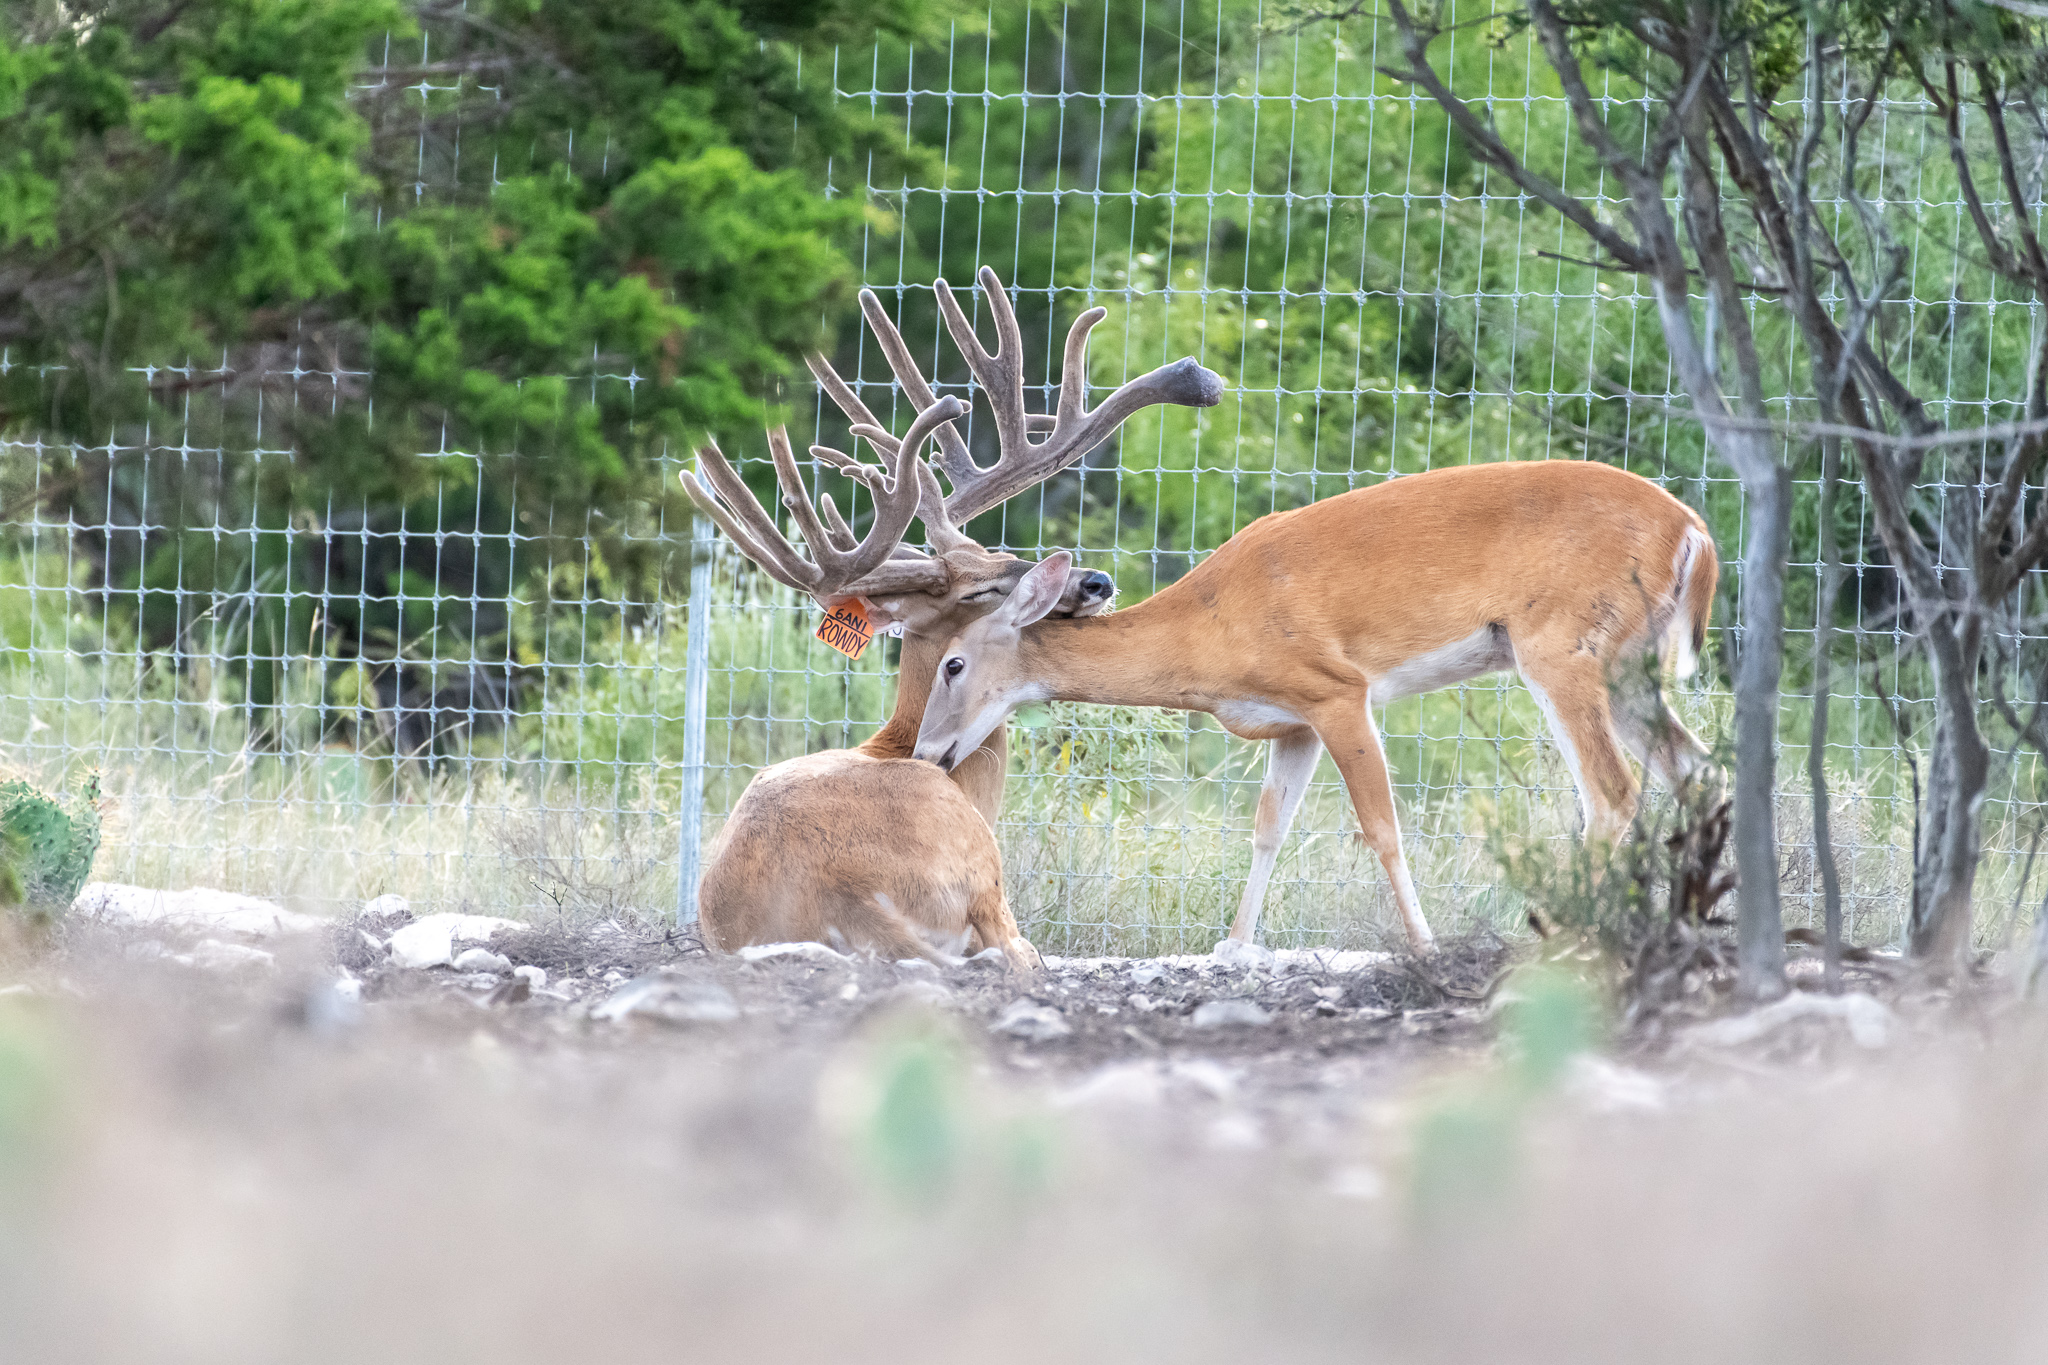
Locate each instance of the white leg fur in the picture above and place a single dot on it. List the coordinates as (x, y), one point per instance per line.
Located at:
(1290, 763)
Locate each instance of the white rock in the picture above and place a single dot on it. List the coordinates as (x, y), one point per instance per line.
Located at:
(482, 960)
(1133, 1083)
(669, 1001)
(1211, 1077)
(1145, 973)
(1327, 960)
(989, 957)
(1236, 1133)
(430, 942)
(1357, 1182)
(215, 955)
(1230, 1014)
(850, 991)
(1031, 1021)
(532, 976)
(199, 909)
(929, 994)
(761, 952)
(917, 966)
(387, 904)
(1611, 1089)
(1141, 1002)
(334, 1006)
(1236, 952)
(1868, 1019)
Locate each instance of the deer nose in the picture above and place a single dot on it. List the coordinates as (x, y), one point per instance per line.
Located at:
(946, 759)
(1096, 586)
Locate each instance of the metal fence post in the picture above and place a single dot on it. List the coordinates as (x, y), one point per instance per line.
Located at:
(696, 687)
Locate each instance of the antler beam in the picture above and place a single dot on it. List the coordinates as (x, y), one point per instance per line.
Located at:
(1074, 429)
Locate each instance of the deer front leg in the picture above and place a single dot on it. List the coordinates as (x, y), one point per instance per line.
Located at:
(1354, 742)
(1290, 762)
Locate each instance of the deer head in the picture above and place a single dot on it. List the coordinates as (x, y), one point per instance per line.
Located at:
(980, 681)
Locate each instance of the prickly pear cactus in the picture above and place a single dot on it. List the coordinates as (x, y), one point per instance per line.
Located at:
(46, 845)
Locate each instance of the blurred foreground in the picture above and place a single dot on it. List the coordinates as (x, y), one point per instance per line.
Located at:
(227, 1162)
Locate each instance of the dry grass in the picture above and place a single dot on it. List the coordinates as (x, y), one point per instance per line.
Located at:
(1127, 831)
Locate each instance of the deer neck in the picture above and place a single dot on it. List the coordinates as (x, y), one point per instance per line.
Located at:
(982, 776)
(1141, 656)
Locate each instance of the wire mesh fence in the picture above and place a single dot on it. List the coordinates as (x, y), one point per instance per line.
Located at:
(475, 707)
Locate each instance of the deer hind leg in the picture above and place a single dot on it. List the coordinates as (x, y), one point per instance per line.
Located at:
(1354, 743)
(1651, 732)
(990, 923)
(1290, 763)
(1571, 689)
(874, 921)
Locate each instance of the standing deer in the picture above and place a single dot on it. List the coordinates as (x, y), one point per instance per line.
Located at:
(1570, 574)
(864, 845)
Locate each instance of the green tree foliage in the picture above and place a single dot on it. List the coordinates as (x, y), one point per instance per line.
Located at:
(167, 171)
(472, 266)
(567, 234)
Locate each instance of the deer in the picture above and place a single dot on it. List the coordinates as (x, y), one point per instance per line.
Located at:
(866, 848)
(1585, 580)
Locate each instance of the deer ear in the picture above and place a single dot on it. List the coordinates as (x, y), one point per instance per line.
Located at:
(1038, 591)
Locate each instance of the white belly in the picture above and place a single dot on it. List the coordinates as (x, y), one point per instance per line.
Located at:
(1255, 718)
(1483, 651)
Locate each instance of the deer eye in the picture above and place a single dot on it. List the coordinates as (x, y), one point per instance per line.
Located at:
(954, 665)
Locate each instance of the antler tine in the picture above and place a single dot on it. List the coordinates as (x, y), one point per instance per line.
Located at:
(896, 504)
(952, 450)
(797, 499)
(1073, 429)
(840, 565)
(842, 395)
(939, 529)
(1001, 375)
(942, 534)
(749, 525)
(842, 534)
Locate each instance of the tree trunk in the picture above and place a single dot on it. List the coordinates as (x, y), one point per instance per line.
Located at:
(1817, 740)
(1945, 864)
(1760, 930)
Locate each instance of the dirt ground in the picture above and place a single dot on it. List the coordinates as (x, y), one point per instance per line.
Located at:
(293, 1149)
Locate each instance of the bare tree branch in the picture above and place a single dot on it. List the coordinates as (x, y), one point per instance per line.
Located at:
(1486, 143)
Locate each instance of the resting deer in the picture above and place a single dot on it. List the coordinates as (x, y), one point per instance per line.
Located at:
(865, 846)
(1570, 574)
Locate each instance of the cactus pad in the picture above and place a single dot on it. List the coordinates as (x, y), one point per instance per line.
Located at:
(46, 845)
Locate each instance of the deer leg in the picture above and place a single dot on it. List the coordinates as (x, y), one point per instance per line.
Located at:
(1354, 743)
(1290, 762)
(990, 921)
(1652, 733)
(875, 922)
(1572, 692)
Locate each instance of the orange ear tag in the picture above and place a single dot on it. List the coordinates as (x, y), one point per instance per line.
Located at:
(847, 628)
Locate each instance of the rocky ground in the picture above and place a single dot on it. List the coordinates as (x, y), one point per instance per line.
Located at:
(230, 1133)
